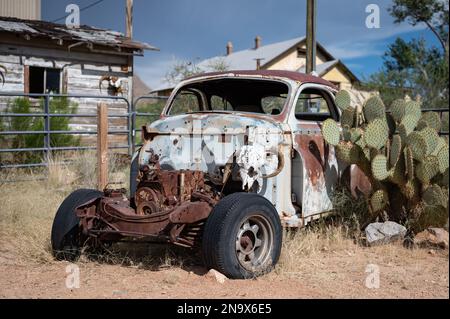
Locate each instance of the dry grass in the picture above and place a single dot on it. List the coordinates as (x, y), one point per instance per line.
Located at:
(26, 215)
(27, 208)
(302, 247)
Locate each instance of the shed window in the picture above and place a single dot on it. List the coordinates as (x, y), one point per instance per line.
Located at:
(44, 80)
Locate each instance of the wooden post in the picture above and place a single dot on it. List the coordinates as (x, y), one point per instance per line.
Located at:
(129, 19)
(102, 146)
(310, 36)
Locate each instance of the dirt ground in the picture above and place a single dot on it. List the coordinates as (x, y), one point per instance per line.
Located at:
(320, 262)
(403, 273)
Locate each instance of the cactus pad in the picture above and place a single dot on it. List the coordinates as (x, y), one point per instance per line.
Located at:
(397, 172)
(429, 119)
(374, 109)
(378, 200)
(348, 117)
(418, 145)
(396, 149)
(376, 134)
(426, 170)
(330, 131)
(445, 177)
(413, 108)
(431, 137)
(407, 126)
(347, 152)
(409, 163)
(435, 196)
(442, 157)
(379, 167)
(356, 134)
(398, 109)
(342, 99)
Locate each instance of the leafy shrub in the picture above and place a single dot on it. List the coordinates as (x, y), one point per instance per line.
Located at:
(59, 105)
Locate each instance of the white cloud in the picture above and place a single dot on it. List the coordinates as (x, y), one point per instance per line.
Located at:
(368, 43)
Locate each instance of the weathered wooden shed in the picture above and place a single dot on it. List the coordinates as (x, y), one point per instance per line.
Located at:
(44, 57)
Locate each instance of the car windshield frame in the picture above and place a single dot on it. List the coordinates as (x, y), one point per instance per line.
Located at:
(185, 85)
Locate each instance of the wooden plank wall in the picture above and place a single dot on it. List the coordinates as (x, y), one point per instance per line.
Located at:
(81, 71)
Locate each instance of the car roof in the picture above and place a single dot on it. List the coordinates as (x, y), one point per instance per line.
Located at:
(291, 75)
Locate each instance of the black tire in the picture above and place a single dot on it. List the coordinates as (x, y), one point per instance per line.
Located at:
(65, 237)
(225, 230)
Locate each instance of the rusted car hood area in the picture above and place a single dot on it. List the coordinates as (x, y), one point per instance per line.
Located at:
(208, 141)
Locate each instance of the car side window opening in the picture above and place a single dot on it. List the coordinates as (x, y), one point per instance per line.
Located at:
(234, 95)
(314, 104)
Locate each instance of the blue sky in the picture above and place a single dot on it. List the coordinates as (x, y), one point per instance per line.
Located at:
(198, 29)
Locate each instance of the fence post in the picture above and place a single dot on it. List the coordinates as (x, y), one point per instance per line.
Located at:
(47, 128)
(102, 145)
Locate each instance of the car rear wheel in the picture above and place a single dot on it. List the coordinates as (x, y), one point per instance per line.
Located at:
(242, 236)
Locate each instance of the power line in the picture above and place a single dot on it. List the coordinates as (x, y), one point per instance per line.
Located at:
(82, 9)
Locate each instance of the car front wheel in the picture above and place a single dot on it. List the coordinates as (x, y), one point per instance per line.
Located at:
(242, 236)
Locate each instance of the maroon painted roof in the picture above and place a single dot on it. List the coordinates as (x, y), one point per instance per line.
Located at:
(292, 75)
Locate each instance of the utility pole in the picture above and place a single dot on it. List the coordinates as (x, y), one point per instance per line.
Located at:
(310, 36)
(129, 35)
(129, 22)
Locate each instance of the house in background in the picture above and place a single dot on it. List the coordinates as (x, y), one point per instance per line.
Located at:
(22, 9)
(42, 57)
(286, 55)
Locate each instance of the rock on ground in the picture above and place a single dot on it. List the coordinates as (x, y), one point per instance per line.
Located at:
(383, 233)
(219, 277)
(432, 237)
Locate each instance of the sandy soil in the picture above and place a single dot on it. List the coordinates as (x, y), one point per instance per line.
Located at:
(404, 273)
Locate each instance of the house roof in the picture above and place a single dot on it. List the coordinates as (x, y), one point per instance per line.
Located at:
(246, 59)
(324, 68)
(54, 31)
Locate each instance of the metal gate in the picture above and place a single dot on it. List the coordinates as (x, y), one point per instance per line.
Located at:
(129, 114)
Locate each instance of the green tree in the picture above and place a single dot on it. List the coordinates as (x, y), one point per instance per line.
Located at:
(182, 69)
(413, 67)
(434, 13)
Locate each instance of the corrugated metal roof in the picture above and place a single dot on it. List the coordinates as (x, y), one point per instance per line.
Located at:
(43, 29)
(246, 59)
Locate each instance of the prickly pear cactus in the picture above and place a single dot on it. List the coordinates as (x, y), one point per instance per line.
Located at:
(400, 152)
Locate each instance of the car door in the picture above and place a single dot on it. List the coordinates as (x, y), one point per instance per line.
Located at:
(315, 170)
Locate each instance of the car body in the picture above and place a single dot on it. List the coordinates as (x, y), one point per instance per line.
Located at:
(301, 190)
(233, 157)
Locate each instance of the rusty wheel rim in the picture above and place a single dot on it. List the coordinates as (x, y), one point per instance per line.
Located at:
(254, 243)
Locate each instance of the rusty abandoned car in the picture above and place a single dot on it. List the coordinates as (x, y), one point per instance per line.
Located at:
(234, 157)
